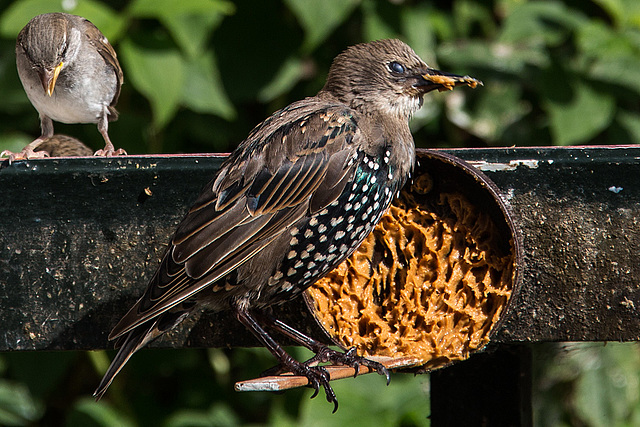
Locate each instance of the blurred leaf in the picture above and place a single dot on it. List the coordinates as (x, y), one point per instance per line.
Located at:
(203, 91)
(624, 13)
(219, 415)
(608, 385)
(286, 77)
(248, 58)
(279, 417)
(100, 361)
(494, 58)
(41, 372)
(159, 74)
(19, 13)
(624, 71)
(190, 22)
(14, 141)
(442, 24)
(16, 16)
(540, 22)
(633, 35)
(419, 33)
(404, 402)
(220, 364)
(427, 115)
(612, 57)
(468, 15)
(581, 116)
(17, 406)
(14, 99)
(631, 124)
(320, 18)
(103, 17)
(191, 32)
(88, 413)
(590, 384)
(167, 8)
(596, 39)
(499, 105)
(374, 25)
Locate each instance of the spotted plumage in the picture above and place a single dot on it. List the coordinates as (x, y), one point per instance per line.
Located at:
(294, 199)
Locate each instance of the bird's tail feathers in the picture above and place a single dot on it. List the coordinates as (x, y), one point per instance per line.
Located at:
(133, 341)
(137, 338)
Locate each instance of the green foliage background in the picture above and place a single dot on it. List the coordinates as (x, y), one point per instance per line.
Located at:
(199, 74)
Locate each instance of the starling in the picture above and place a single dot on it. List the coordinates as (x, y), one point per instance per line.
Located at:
(70, 73)
(60, 145)
(295, 199)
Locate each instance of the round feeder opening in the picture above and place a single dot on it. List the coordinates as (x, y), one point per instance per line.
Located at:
(434, 278)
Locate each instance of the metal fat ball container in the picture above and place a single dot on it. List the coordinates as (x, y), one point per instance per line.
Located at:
(436, 277)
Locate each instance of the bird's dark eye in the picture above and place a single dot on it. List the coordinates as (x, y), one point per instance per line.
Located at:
(396, 67)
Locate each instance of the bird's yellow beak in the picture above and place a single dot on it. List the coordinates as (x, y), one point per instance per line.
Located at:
(51, 84)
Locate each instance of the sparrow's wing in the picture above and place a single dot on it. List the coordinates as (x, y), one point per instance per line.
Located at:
(60, 145)
(295, 163)
(104, 48)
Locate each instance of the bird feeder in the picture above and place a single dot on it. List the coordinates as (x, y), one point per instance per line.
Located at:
(434, 279)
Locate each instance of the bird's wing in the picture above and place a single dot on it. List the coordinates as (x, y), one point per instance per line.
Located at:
(295, 163)
(104, 48)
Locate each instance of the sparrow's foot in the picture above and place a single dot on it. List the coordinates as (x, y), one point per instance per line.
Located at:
(26, 154)
(109, 152)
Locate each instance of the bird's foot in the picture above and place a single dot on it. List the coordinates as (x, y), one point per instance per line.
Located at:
(108, 152)
(317, 376)
(348, 358)
(26, 154)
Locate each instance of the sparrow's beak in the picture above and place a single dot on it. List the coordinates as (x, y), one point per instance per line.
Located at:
(49, 78)
(435, 79)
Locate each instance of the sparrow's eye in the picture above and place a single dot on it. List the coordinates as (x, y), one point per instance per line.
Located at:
(396, 67)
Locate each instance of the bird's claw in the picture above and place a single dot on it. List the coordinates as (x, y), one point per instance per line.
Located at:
(319, 376)
(110, 152)
(316, 375)
(25, 154)
(348, 358)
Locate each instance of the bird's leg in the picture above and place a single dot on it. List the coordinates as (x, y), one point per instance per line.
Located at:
(109, 149)
(317, 375)
(322, 352)
(28, 152)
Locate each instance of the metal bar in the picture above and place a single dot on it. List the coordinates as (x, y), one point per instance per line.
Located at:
(82, 236)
